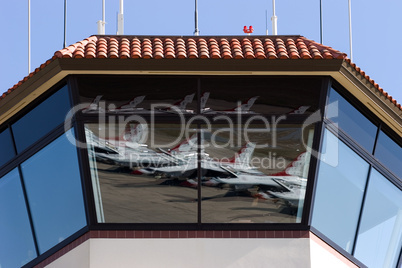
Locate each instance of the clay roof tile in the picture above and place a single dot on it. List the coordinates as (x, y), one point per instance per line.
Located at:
(159, 48)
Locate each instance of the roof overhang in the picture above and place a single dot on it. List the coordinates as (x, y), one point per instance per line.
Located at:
(338, 69)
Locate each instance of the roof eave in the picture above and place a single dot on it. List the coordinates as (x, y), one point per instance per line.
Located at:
(339, 69)
(370, 95)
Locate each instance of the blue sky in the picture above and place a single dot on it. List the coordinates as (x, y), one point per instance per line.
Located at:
(376, 28)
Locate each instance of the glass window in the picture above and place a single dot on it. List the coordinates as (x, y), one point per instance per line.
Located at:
(139, 177)
(143, 175)
(42, 119)
(152, 177)
(254, 174)
(339, 192)
(17, 245)
(389, 153)
(380, 234)
(53, 185)
(350, 120)
(139, 94)
(6, 145)
(260, 95)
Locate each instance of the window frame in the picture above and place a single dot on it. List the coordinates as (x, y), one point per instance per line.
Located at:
(32, 149)
(81, 119)
(363, 153)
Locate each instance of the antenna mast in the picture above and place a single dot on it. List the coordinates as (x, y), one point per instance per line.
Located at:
(266, 22)
(321, 30)
(101, 23)
(196, 31)
(120, 20)
(274, 19)
(29, 36)
(350, 30)
(65, 23)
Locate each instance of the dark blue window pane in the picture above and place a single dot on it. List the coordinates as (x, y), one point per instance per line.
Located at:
(380, 234)
(350, 120)
(16, 242)
(53, 185)
(6, 147)
(341, 180)
(389, 153)
(42, 119)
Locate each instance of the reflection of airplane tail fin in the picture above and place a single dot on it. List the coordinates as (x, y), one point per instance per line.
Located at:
(183, 103)
(295, 168)
(246, 105)
(243, 156)
(204, 99)
(94, 104)
(186, 146)
(133, 102)
(300, 110)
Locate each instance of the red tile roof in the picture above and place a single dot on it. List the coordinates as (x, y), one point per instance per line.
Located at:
(240, 47)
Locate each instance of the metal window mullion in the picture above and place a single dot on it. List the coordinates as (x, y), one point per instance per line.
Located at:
(319, 130)
(361, 209)
(199, 158)
(34, 236)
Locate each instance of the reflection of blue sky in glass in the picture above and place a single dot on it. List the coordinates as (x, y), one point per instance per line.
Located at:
(351, 121)
(6, 145)
(339, 193)
(54, 190)
(16, 242)
(389, 153)
(380, 234)
(42, 119)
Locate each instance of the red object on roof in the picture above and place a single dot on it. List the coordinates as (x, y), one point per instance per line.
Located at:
(249, 30)
(200, 47)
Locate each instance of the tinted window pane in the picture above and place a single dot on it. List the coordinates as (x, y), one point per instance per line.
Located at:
(350, 120)
(138, 94)
(142, 178)
(341, 180)
(389, 153)
(53, 185)
(6, 147)
(251, 177)
(17, 245)
(260, 94)
(380, 233)
(42, 119)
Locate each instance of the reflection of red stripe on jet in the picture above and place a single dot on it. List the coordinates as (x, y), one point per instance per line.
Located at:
(188, 183)
(292, 164)
(192, 141)
(136, 172)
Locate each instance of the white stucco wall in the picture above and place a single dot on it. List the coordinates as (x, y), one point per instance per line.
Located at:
(202, 252)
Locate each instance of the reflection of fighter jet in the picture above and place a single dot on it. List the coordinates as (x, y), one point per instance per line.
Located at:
(187, 162)
(244, 107)
(288, 185)
(126, 150)
(240, 162)
(184, 149)
(94, 106)
(130, 106)
(185, 157)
